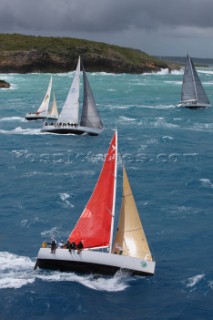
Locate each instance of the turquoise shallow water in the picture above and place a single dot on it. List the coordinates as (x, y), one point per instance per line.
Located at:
(47, 179)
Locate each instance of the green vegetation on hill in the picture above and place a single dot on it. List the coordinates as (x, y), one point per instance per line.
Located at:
(21, 53)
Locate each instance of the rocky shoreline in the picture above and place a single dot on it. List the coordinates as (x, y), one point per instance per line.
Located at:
(27, 54)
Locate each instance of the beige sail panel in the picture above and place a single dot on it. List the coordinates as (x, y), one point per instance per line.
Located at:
(130, 237)
(54, 108)
(45, 103)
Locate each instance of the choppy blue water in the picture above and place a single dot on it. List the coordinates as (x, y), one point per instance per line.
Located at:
(46, 180)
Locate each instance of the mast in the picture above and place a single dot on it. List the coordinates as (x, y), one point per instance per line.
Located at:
(192, 72)
(115, 188)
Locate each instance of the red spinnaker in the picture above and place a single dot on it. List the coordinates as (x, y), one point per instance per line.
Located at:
(94, 225)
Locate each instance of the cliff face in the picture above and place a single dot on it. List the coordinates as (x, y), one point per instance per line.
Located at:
(25, 54)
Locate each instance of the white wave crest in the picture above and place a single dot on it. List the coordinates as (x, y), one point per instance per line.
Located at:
(161, 122)
(66, 203)
(13, 119)
(205, 71)
(163, 71)
(177, 72)
(124, 119)
(191, 282)
(174, 82)
(206, 183)
(17, 271)
(19, 130)
(160, 107)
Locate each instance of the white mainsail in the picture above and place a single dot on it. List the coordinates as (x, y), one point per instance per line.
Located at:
(45, 103)
(70, 110)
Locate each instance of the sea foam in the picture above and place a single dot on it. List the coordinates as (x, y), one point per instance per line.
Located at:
(18, 271)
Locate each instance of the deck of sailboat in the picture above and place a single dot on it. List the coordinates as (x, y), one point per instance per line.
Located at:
(89, 261)
(70, 129)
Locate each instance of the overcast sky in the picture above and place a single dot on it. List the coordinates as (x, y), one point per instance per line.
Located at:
(158, 27)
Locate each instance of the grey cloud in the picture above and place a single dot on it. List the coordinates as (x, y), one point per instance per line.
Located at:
(155, 26)
(103, 15)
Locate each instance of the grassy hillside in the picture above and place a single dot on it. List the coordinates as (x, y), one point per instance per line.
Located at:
(34, 53)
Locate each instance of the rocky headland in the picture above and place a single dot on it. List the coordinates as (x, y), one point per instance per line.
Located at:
(26, 54)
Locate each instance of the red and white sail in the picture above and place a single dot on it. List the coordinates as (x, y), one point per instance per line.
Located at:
(94, 227)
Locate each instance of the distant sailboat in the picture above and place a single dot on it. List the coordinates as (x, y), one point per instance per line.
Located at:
(94, 231)
(68, 120)
(193, 94)
(42, 112)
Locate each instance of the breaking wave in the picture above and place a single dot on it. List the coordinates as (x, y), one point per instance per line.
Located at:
(13, 119)
(206, 183)
(17, 271)
(19, 130)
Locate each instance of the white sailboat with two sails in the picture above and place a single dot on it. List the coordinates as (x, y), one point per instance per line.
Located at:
(94, 231)
(43, 111)
(68, 121)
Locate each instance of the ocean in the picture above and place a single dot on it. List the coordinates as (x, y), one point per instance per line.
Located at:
(46, 180)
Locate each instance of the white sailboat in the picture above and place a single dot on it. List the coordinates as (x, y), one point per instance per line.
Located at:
(94, 231)
(42, 112)
(68, 120)
(193, 95)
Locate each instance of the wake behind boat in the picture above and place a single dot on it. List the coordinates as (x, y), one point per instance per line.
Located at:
(68, 120)
(42, 112)
(90, 247)
(193, 95)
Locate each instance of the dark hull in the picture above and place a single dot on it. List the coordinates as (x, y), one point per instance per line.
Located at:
(86, 268)
(195, 107)
(78, 130)
(35, 118)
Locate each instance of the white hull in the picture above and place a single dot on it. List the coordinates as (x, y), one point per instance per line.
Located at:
(70, 129)
(39, 116)
(89, 261)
